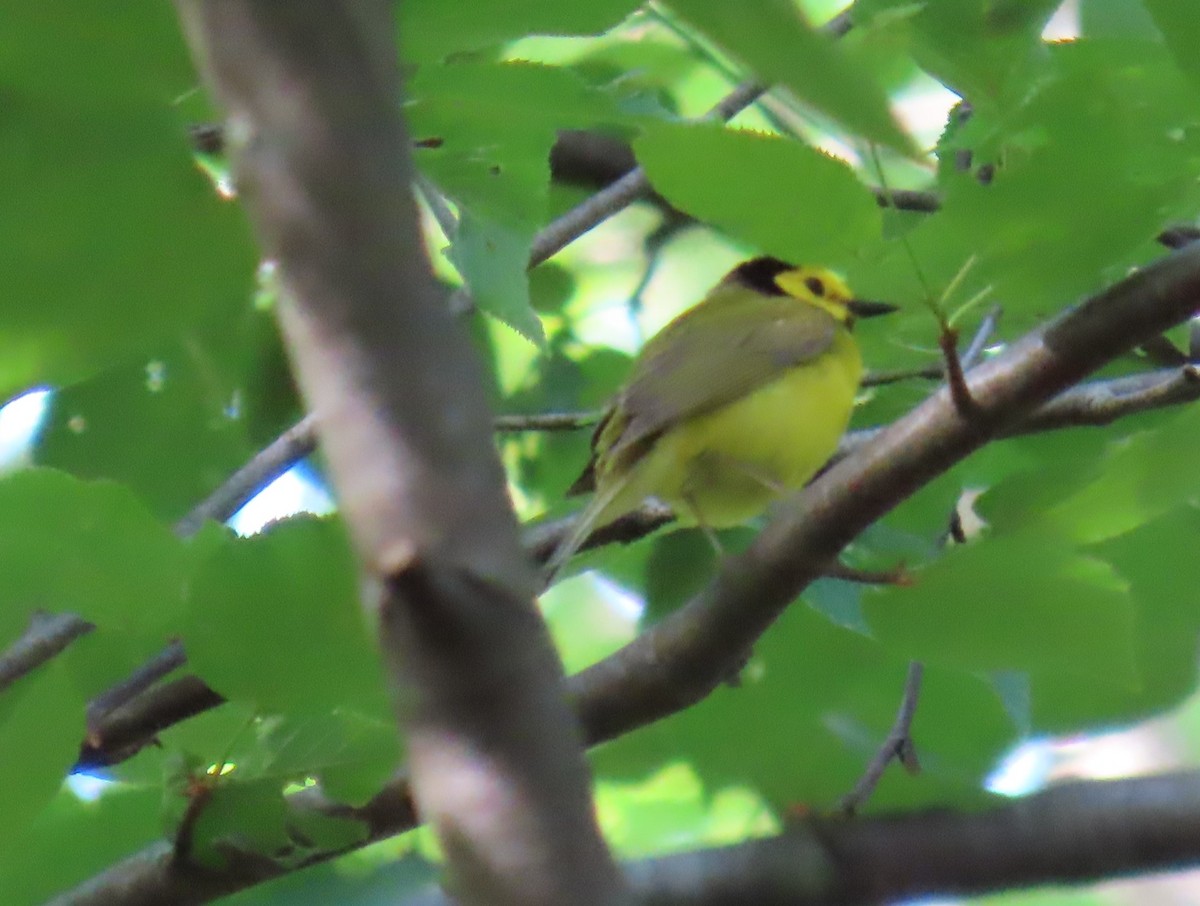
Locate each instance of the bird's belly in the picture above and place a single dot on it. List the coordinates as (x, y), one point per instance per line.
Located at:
(728, 465)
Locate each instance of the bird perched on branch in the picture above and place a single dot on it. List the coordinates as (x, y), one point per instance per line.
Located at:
(738, 400)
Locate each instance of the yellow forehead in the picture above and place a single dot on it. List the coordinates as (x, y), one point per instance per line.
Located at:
(814, 284)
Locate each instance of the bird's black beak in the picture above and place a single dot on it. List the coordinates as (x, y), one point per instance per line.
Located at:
(864, 308)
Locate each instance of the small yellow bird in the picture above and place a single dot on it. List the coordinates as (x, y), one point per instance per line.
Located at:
(738, 400)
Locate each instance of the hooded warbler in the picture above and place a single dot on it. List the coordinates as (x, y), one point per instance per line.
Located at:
(739, 399)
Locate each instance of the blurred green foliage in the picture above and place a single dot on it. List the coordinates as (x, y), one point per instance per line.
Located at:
(133, 295)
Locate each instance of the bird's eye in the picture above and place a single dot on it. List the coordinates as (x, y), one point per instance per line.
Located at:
(815, 286)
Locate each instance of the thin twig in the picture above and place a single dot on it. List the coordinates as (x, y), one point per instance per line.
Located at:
(269, 463)
(1100, 403)
(1091, 404)
(938, 370)
(300, 440)
(897, 745)
(561, 232)
(908, 200)
(895, 376)
(122, 732)
(446, 219)
(982, 337)
(897, 575)
(47, 635)
(542, 540)
(959, 392)
(546, 421)
(160, 665)
(1176, 237)
(839, 24)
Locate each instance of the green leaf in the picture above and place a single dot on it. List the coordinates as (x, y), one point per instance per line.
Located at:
(243, 817)
(41, 723)
(332, 747)
(72, 840)
(1127, 159)
(263, 758)
(88, 548)
(1163, 633)
(810, 709)
(670, 811)
(1117, 19)
(431, 30)
(779, 47)
(778, 194)
(167, 427)
(1176, 20)
(269, 618)
(112, 239)
(680, 564)
(484, 133)
(1142, 477)
(1017, 602)
(495, 258)
(325, 832)
(1090, 491)
(983, 50)
(351, 754)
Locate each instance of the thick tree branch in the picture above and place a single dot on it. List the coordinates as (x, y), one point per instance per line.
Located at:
(494, 754)
(1074, 833)
(1071, 834)
(679, 661)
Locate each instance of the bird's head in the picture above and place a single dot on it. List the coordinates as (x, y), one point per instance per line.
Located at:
(814, 285)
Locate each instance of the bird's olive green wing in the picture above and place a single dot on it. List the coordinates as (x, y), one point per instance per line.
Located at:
(728, 346)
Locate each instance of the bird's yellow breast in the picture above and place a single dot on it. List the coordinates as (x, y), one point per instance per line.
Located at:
(726, 466)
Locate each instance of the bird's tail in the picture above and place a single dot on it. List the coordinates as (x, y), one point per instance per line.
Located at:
(603, 508)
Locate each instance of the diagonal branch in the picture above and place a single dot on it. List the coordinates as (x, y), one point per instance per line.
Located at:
(47, 635)
(295, 443)
(683, 658)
